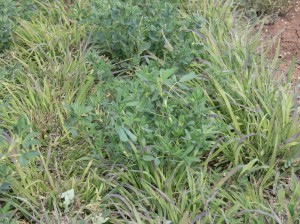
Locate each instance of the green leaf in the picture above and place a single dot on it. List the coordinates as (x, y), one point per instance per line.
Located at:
(188, 77)
(165, 74)
(144, 75)
(187, 134)
(148, 158)
(23, 160)
(122, 134)
(281, 196)
(132, 103)
(31, 154)
(130, 134)
(156, 162)
(248, 166)
(5, 186)
(29, 141)
(87, 109)
(73, 132)
(68, 197)
(25, 157)
(145, 46)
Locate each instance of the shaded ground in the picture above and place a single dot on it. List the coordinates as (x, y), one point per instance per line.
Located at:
(288, 27)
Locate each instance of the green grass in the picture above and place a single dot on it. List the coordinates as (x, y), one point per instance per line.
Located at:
(118, 121)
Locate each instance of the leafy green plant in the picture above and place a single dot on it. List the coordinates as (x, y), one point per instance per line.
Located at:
(155, 110)
(143, 30)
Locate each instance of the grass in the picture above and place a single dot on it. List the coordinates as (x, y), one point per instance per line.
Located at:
(90, 134)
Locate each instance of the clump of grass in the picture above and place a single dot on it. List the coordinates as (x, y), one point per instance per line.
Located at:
(54, 71)
(52, 53)
(262, 111)
(246, 93)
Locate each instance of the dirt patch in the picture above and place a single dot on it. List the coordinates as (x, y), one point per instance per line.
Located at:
(288, 28)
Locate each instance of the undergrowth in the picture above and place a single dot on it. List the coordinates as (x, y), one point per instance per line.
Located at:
(131, 112)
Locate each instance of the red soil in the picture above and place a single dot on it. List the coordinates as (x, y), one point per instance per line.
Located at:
(288, 28)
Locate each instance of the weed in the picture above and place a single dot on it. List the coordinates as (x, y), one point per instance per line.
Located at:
(141, 30)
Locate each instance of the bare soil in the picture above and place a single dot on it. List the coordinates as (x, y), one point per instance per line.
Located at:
(288, 28)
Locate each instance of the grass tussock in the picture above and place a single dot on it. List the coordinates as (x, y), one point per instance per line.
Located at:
(116, 116)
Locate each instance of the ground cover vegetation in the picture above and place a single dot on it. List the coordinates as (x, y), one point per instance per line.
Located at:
(143, 112)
